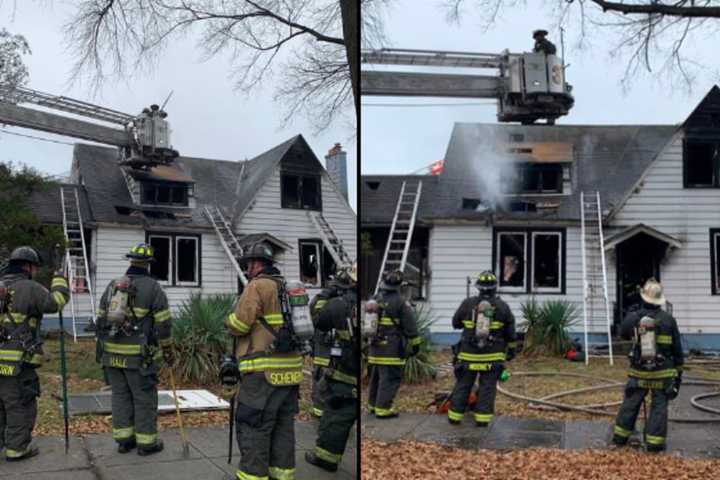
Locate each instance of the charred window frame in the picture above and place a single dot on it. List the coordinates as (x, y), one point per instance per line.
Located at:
(530, 178)
(714, 259)
(178, 259)
(174, 194)
(701, 163)
(317, 265)
(301, 191)
(518, 266)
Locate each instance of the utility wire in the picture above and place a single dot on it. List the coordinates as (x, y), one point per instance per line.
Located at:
(427, 104)
(36, 138)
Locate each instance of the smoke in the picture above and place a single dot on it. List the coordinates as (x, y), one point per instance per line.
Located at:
(490, 169)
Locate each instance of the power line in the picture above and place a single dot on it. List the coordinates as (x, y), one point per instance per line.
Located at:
(427, 104)
(36, 138)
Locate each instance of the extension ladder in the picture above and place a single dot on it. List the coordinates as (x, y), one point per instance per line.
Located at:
(81, 290)
(401, 230)
(228, 240)
(595, 285)
(331, 241)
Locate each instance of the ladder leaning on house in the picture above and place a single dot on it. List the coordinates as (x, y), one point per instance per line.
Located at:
(76, 260)
(331, 241)
(595, 285)
(401, 230)
(228, 240)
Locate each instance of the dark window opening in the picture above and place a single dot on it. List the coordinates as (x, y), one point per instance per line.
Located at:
(522, 207)
(701, 164)
(301, 191)
(310, 263)
(546, 260)
(534, 178)
(471, 203)
(160, 268)
(372, 185)
(329, 268)
(187, 259)
(153, 193)
(512, 260)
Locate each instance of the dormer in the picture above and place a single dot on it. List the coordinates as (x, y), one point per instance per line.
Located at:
(160, 186)
(538, 168)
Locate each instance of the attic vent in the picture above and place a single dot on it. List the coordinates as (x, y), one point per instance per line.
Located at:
(523, 150)
(372, 185)
(522, 207)
(517, 137)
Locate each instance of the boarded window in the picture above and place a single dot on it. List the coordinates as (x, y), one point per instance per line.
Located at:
(186, 266)
(701, 164)
(160, 268)
(546, 247)
(511, 260)
(300, 191)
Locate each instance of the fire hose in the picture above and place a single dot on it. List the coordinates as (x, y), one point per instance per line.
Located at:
(595, 408)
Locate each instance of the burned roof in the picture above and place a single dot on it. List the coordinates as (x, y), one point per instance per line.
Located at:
(106, 198)
(609, 159)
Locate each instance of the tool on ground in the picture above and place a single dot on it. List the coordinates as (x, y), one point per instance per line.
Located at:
(63, 366)
(183, 434)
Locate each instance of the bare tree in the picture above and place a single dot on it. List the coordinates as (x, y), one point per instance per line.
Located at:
(13, 71)
(112, 39)
(655, 36)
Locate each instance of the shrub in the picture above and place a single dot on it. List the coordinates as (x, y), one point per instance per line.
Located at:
(546, 326)
(199, 337)
(421, 367)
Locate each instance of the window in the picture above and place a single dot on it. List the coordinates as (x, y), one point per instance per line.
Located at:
(701, 162)
(534, 178)
(317, 265)
(530, 261)
(715, 260)
(164, 194)
(300, 191)
(177, 259)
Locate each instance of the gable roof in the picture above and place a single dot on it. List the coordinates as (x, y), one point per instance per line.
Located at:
(608, 159)
(629, 232)
(105, 196)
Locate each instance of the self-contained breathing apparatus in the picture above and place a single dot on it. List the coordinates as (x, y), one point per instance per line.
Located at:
(645, 353)
(484, 314)
(370, 319)
(297, 329)
(20, 337)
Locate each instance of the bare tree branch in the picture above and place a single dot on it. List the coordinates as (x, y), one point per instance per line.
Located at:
(679, 9)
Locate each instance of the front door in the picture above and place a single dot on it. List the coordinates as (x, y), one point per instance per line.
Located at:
(638, 259)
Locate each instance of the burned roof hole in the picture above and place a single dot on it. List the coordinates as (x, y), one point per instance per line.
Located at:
(525, 150)
(372, 185)
(471, 203)
(522, 207)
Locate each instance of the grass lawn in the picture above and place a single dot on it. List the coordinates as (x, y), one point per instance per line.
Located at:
(85, 375)
(415, 398)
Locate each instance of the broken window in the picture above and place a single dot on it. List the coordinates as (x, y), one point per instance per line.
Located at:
(701, 164)
(300, 191)
(164, 194)
(535, 178)
(471, 203)
(177, 259)
(310, 263)
(547, 257)
(511, 260)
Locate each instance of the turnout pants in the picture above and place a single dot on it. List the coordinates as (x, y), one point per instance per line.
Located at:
(318, 380)
(466, 373)
(134, 406)
(384, 384)
(18, 411)
(656, 427)
(338, 418)
(265, 425)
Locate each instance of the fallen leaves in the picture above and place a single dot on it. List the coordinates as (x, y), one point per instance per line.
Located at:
(415, 460)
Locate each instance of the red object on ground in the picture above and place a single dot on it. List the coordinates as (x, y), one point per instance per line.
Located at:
(445, 405)
(571, 354)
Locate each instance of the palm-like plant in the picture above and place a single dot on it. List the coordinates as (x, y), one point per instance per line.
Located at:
(421, 367)
(547, 326)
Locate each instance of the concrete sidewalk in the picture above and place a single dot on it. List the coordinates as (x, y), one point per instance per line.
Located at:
(95, 457)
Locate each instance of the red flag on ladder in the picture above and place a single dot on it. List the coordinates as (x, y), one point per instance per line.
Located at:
(436, 168)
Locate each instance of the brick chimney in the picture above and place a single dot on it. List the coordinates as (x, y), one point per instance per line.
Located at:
(336, 164)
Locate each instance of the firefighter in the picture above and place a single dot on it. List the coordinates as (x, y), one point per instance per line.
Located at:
(133, 336)
(23, 301)
(271, 370)
(322, 342)
(487, 340)
(396, 339)
(542, 44)
(656, 362)
(340, 390)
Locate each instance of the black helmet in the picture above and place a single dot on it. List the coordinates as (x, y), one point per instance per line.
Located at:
(260, 251)
(486, 283)
(142, 251)
(540, 32)
(393, 278)
(25, 254)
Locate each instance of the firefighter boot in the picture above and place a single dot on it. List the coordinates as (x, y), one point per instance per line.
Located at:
(313, 459)
(125, 447)
(157, 447)
(30, 452)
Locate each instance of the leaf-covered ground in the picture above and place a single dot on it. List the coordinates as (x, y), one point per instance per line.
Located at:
(84, 375)
(413, 460)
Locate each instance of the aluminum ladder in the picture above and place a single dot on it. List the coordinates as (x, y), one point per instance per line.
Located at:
(401, 230)
(228, 240)
(331, 241)
(76, 260)
(594, 267)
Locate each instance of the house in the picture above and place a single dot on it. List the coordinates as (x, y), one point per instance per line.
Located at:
(509, 200)
(266, 198)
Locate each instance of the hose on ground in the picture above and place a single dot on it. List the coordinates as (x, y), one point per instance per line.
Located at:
(594, 409)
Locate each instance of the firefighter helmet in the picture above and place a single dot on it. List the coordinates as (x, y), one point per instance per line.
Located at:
(540, 33)
(344, 276)
(25, 254)
(393, 278)
(143, 252)
(258, 250)
(486, 283)
(652, 293)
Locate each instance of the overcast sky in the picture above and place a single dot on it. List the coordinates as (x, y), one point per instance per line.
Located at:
(207, 117)
(401, 140)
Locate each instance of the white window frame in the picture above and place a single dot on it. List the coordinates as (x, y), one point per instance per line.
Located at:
(195, 282)
(498, 266)
(169, 238)
(714, 270)
(318, 252)
(533, 288)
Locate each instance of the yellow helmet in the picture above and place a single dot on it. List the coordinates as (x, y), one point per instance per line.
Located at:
(142, 252)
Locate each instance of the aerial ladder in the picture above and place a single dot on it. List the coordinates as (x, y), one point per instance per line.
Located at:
(527, 86)
(143, 142)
